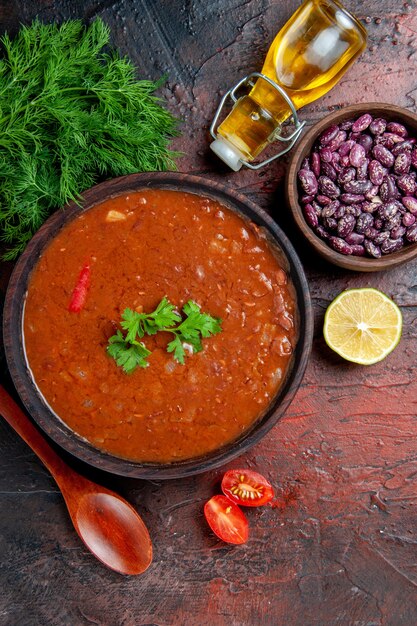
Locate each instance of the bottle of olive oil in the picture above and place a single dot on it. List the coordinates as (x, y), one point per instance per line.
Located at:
(306, 59)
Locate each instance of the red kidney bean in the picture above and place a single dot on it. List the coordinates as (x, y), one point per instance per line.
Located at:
(337, 141)
(408, 219)
(354, 238)
(329, 210)
(328, 187)
(411, 234)
(315, 163)
(308, 182)
(403, 146)
(371, 233)
(394, 222)
(391, 245)
(389, 140)
(326, 154)
(345, 225)
(358, 250)
(353, 209)
(311, 216)
(345, 161)
(397, 128)
(364, 221)
(369, 207)
(352, 198)
(362, 123)
(322, 232)
(398, 232)
(307, 199)
(387, 190)
(346, 147)
(372, 249)
(387, 211)
(328, 134)
(330, 223)
(372, 192)
(323, 200)
(377, 172)
(381, 237)
(378, 223)
(340, 245)
(378, 126)
(402, 163)
(362, 172)
(357, 155)
(340, 211)
(410, 204)
(366, 142)
(383, 155)
(346, 125)
(328, 170)
(316, 207)
(357, 186)
(407, 184)
(346, 175)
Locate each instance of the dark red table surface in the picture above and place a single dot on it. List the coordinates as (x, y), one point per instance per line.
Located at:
(342, 549)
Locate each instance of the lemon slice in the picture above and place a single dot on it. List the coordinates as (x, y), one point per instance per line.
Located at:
(362, 325)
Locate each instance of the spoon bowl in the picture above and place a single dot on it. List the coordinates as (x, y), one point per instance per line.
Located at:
(113, 531)
(108, 525)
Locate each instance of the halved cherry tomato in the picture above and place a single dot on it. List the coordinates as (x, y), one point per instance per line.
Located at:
(247, 488)
(226, 520)
(79, 294)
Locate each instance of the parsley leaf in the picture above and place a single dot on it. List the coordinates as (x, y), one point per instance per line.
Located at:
(129, 353)
(142, 324)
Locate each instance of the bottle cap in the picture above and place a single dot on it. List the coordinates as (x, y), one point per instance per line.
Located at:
(227, 153)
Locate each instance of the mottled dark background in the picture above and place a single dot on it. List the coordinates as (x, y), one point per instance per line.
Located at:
(342, 549)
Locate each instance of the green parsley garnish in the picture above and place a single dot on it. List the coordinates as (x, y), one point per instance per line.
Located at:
(127, 354)
(72, 112)
(130, 353)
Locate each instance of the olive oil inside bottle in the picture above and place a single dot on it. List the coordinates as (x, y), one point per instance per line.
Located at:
(307, 58)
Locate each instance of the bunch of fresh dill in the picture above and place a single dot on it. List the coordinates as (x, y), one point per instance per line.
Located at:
(71, 114)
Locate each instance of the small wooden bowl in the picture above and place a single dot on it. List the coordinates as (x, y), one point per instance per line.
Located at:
(303, 149)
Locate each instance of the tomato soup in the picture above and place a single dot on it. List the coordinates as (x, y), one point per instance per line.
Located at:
(141, 247)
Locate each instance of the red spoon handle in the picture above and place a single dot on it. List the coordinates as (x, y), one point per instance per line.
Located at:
(14, 415)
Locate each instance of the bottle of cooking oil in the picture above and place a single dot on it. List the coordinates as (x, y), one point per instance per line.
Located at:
(306, 59)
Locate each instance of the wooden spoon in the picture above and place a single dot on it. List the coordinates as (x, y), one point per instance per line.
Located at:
(108, 525)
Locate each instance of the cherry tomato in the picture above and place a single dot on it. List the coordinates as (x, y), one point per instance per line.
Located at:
(247, 488)
(226, 520)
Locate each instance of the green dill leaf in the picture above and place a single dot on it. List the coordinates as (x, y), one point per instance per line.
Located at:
(71, 114)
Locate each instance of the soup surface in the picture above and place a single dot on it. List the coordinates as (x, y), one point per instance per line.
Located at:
(142, 247)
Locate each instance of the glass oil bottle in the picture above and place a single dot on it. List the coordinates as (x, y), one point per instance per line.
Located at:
(306, 59)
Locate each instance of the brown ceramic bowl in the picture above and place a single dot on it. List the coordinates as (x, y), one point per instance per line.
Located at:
(14, 309)
(303, 148)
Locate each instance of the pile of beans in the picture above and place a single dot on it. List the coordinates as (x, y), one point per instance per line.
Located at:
(359, 189)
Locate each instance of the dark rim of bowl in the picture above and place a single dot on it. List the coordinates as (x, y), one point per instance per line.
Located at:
(354, 263)
(14, 308)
